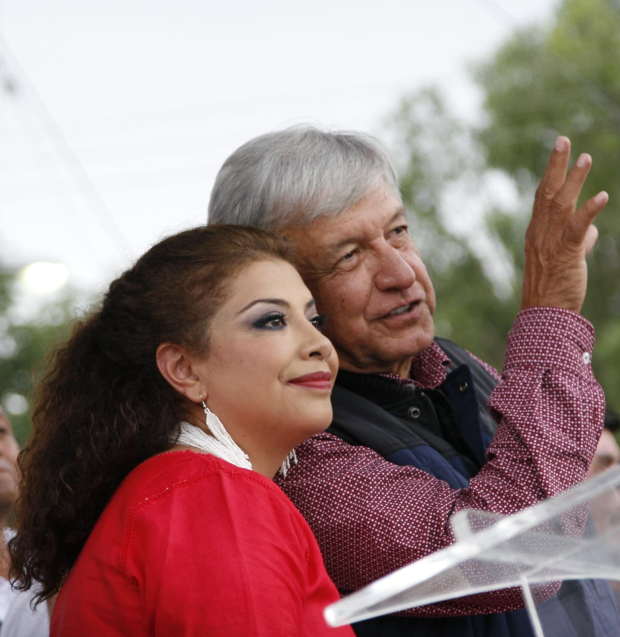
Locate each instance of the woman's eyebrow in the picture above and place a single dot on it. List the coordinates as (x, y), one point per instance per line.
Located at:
(281, 302)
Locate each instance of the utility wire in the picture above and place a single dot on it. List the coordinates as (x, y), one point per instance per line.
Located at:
(155, 131)
(68, 156)
(59, 190)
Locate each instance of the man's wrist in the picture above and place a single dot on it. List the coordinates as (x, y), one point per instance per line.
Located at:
(545, 337)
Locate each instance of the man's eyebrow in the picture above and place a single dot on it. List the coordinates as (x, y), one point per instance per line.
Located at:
(281, 302)
(400, 212)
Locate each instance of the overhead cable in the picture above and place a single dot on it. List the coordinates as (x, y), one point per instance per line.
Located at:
(66, 153)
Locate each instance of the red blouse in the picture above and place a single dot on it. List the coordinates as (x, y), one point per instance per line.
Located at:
(191, 545)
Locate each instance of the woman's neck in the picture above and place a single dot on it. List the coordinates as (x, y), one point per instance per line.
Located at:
(266, 467)
(265, 459)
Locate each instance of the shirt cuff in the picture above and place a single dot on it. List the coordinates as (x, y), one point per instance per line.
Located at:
(550, 337)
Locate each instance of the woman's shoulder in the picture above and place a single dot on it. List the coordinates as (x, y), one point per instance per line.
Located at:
(178, 493)
(198, 477)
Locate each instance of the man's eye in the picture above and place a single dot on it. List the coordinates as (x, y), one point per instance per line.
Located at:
(348, 256)
(400, 230)
(319, 321)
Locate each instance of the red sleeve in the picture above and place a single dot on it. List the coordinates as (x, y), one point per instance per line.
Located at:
(371, 517)
(219, 555)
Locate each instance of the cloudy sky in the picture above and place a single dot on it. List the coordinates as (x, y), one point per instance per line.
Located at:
(115, 116)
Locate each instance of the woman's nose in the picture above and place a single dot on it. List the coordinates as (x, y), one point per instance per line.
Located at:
(318, 346)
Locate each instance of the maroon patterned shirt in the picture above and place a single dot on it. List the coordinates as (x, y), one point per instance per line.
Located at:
(372, 517)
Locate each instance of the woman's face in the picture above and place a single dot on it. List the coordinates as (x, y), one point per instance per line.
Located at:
(269, 371)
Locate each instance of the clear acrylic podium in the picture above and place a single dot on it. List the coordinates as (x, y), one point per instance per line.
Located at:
(535, 550)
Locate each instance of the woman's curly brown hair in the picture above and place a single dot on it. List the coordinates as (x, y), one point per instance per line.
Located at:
(103, 408)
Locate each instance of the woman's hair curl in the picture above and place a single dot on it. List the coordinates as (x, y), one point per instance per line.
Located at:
(104, 407)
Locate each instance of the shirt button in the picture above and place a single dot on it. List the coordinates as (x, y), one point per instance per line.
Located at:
(463, 387)
(414, 413)
(586, 357)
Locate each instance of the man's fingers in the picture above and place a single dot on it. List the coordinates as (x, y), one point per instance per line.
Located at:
(590, 240)
(556, 170)
(579, 223)
(566, 199)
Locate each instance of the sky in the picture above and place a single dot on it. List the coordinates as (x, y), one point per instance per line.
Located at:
(118, 114)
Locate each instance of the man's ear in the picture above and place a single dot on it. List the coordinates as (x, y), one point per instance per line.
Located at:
(176, 367)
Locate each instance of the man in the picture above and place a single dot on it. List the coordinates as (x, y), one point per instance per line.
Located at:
(412, 441)
(17, 619)
(8, 491)
(607, 452)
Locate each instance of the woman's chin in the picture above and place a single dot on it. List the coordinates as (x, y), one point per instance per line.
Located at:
(318, 424)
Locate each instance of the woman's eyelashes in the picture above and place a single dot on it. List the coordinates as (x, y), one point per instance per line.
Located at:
(270, 321)
(278, 321)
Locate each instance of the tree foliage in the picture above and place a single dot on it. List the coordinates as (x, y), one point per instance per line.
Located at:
(564, 80)
(561, 78)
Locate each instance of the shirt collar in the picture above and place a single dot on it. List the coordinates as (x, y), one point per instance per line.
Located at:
(428, 369)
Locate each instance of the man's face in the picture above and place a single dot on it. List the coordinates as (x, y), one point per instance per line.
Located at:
(607, 454)
(8, 463)
(365, 271)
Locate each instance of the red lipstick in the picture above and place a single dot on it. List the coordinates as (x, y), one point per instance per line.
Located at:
(316, 380)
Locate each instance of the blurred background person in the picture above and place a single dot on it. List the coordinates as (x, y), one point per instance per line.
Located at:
(8, 490)
(607, 452)
(18, 619)
(605, 509)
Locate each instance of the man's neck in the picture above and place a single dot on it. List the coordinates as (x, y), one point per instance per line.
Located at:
(401, 369)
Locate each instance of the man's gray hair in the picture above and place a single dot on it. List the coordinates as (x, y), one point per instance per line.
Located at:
(294, 176)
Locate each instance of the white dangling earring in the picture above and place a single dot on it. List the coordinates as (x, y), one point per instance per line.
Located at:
(215, 426)
(286, 465)
(220, 444)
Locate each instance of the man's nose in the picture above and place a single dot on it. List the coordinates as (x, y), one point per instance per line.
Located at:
(393, 271)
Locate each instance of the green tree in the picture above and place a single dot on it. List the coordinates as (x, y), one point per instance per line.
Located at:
(564, 79)
(24, 346)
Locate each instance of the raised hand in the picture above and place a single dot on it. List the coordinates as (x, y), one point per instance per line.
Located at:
(559, 237)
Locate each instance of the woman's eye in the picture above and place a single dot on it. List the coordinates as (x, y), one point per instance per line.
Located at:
(271, 321)
(319, 321)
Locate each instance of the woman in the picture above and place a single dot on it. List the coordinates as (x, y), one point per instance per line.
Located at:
(147, 495)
